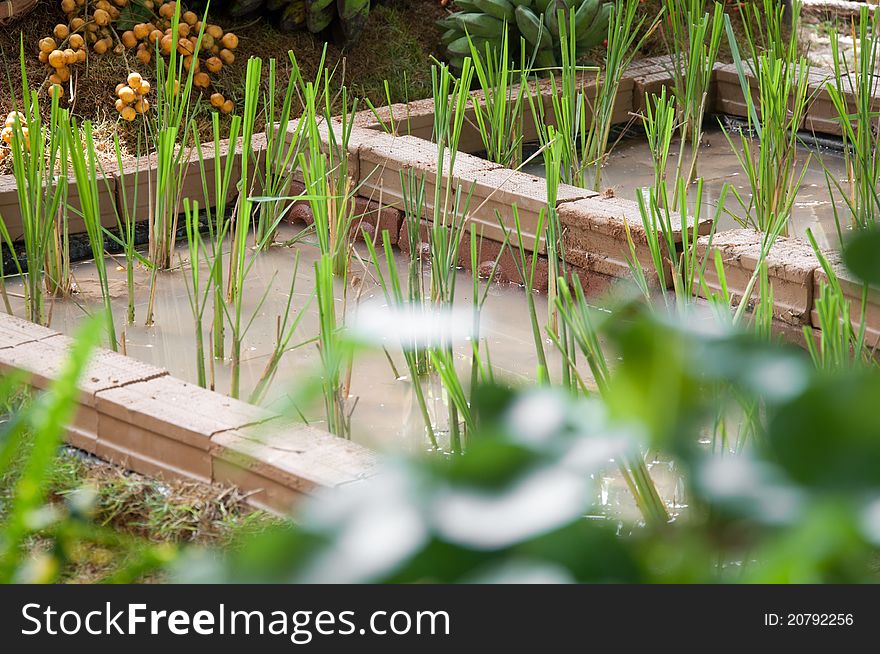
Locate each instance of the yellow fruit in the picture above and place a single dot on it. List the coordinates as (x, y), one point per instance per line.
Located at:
(56, 58)
(76, 41)
(215, 31)
(201, 80)
(156, 35)
(61, 31)
(119, 88)
(189, 62)
(135, 80)
(227, 107)
(129, 40)
(227, 56)
(141, 31)
(214, 64)
(69, 56)
(80, 56)
(183, 29)
(165, 44)
(56, 90)
(77, 24)
(144, 56)
(47, 45)
(68, 6)
(217, 100)
(149, 5)
(207, 42)
(142, 105)
(6, 135)
(186, 47)
(43, 57)
(126, 94)
(101, 47)
(128, 114)
(190, 18)
(14, 116)
(101, 17)
(54, 79)
(229, 41)
(120, 105)
(144, 88)
(167, 10)
(63, 74)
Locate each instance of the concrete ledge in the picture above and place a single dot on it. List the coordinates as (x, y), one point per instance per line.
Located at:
(853, 290)
(137, 415)
(791, 263)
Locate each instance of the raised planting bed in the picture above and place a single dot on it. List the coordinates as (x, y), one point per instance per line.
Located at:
(152, 418)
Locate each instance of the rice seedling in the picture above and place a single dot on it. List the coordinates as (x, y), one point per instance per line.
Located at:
(285, 329)
(39, 152)
(274, 173)
(498, 112)
(173, 111)
(773, 169)
(198, 298)
(218, 222)
(769, 31)
(694, 39)
(414, 355)
(83, 162)
(580, 320)
(332, 349)
(858, 124)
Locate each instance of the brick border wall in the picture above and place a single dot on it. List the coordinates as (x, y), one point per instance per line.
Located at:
(138, 416)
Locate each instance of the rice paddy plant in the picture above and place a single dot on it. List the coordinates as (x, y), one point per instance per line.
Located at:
(168, 131)
(839, 344)
(39, 165)
(499, 111)
(198, 298)
(396, 296)
(527, 267)
(774, 170)
(83, 161)
(218, 222)
(333, 351)
(858, 124)
(694, 39)
(324, 166)
(274, 173)
(769, 31)
(285, 329)
(413, 191)
(125, 223)
(581, 323)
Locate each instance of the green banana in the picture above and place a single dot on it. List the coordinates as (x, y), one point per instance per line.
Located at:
(450, 35)
(585, 14)
(481, 25)
(551, 16)
(318, 5)
(541, 6)
(467, 5)
(501, 9)
(598, 29)
(353, 16)
(319, 15)
(294, 16)
(532, 29)
(522, 3)
(449, 22)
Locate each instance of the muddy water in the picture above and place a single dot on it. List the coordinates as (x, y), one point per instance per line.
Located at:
(629, 168)
(385, 412)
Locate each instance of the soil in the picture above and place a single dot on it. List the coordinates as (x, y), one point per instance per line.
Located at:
(397, 44)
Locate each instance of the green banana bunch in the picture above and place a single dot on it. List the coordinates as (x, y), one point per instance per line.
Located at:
(344, 18)
(536, 21)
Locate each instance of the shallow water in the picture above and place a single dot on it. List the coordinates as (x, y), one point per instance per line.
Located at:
(629, 168)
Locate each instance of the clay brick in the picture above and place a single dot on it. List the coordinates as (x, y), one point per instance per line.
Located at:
(299, 457)
(852, 289)
(15, 331)
(790, 262)
(595, 234)
(10, 210)
(177, 410)
(383, 159)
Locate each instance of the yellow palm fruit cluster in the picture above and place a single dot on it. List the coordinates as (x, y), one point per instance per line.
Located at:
(131, 97)
(8, 132)
(215, 50)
